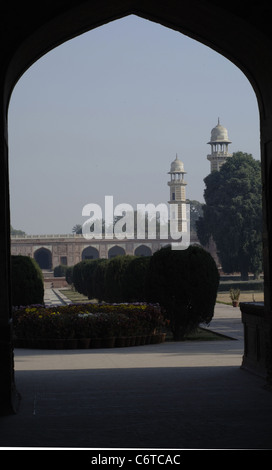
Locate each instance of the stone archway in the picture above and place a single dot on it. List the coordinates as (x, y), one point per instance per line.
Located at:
(143, 250)
(116, 251)
(43, 256)
(29, 34)
(90, 253)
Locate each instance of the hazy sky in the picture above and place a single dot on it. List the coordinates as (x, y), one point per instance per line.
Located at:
(106, 113)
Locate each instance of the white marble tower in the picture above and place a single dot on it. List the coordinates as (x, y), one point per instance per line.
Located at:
(177, 186)
(219, 147)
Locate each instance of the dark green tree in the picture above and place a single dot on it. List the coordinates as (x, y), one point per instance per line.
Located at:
(232, 214)
(196, 212)
(26, 281)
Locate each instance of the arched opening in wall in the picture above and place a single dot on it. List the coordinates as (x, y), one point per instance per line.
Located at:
(43, 256)
(116, 251)
(143, 250)
(90, 253)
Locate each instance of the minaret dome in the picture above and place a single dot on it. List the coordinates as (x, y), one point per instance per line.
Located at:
(219, 143)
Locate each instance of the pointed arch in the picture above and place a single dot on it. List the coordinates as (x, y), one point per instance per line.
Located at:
(43, 256)
(143, 250)
(90, 252)
(116, 251)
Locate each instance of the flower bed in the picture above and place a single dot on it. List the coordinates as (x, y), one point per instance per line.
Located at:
(87, 326)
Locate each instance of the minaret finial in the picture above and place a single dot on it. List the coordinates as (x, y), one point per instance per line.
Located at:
(218, 122)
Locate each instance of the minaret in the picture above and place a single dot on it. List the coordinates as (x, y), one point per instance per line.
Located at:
(219, 147)
(177, 186)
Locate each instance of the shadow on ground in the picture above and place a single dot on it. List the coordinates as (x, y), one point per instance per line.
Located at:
(143, 407)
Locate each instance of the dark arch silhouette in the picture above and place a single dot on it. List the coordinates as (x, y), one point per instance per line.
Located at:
(243, 35)
(90, 253)
(43, 256)
(116, 251)
(143, 250)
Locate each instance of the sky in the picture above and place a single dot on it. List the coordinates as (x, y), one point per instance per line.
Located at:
(106, 113)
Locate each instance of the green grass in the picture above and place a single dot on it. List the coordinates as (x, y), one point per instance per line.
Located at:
(74, 296)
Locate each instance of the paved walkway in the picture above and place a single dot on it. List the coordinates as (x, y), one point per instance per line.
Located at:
(182, 395)
(55, 297)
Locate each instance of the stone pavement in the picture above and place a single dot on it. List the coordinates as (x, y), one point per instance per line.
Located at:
(176, 395)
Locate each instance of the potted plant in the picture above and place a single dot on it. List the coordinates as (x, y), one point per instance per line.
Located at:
(234, 295)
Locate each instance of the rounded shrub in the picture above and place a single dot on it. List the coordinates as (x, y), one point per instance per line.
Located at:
(79, 278)
(69, 275)
(60, 271)
(85, 278)
(114, 278)
(99, 279)
(134, 280)
(184, 283)
(90, 276)
(26, 281)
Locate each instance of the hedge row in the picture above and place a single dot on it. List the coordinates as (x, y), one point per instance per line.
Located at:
(183, 282)
(120, 279)
(26, 281)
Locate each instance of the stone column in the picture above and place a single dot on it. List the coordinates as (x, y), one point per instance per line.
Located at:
(8, 394)
(266, 149)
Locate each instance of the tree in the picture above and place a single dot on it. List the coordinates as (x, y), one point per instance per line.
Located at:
(77, 229)
(232, 214)
(196, 212)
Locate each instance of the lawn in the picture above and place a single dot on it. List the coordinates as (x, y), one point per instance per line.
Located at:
(245, 296)
(224, 297)
(74, 296)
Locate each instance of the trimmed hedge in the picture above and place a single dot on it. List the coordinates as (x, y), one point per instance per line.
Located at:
(99, 280)
(134, 279)
(69, 275)
(79, 277)
(114, 278)
(120, 279)
(255, 285)
(60, 271)
(26, 281)
(184, 283)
